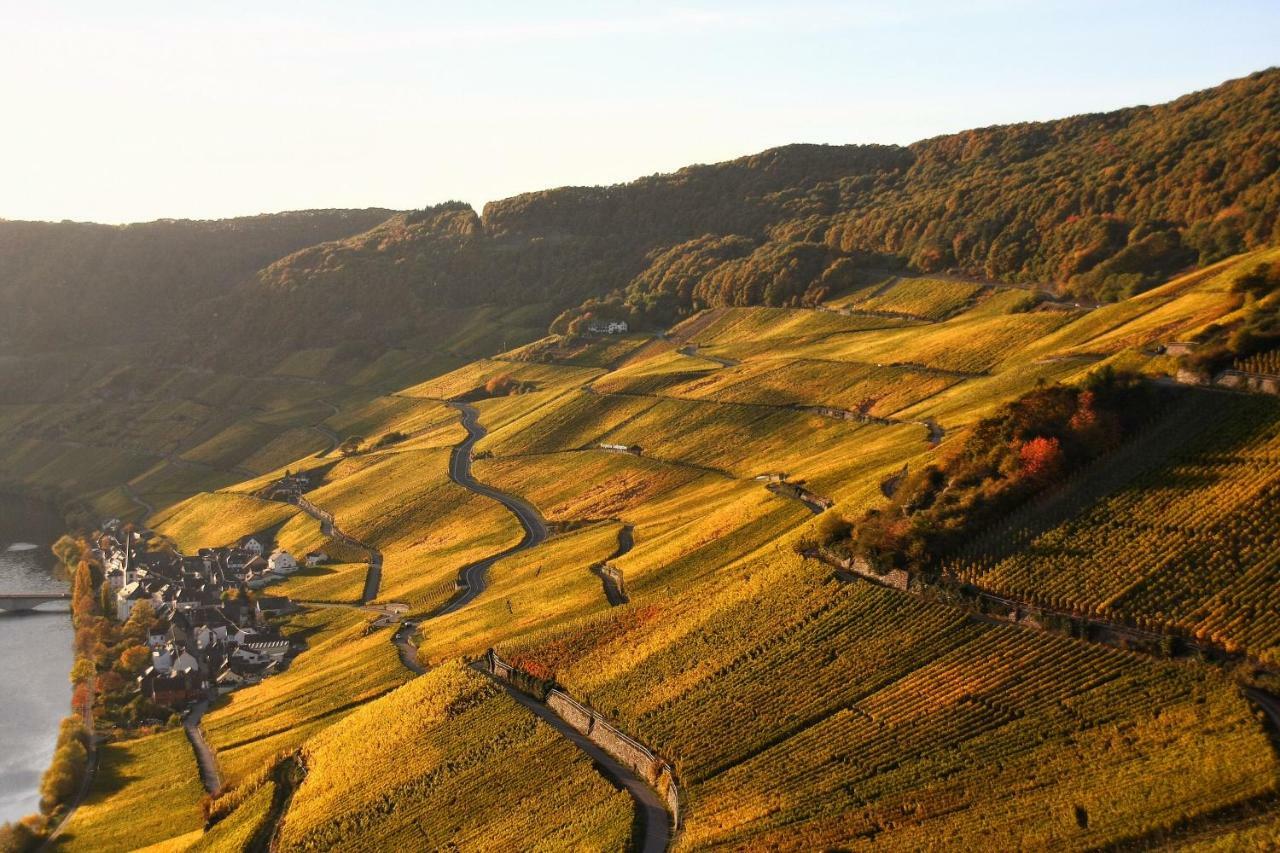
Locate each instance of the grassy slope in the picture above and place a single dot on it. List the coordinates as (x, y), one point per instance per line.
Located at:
(146, 790)
(341, 668)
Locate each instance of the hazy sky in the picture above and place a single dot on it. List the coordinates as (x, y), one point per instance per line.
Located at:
(126, 111)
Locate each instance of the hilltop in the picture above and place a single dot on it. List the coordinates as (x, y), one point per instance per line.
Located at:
(1100, 206)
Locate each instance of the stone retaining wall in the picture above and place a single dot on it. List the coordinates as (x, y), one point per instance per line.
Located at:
(1236, 380)
(1041, 618)
(894, 578)
(626, 749)
(1259, 383)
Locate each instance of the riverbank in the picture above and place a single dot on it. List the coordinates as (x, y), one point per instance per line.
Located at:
(34, 692)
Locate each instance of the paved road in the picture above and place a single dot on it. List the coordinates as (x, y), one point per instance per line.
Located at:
(473, 576)
(651, 808)
(329, 434)
(653, 812)
(373, 576)
(407, 650)
(205, 758)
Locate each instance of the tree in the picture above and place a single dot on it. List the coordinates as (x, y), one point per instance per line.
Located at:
(82, 670)
(138, 626)
(135, 659)
(501, 385)
(84, 593)
(68, 550)
(1040, 459)
(20, 836)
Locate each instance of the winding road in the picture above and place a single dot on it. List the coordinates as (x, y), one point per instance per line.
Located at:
(148, 510)
(473, 577)
(650, 807)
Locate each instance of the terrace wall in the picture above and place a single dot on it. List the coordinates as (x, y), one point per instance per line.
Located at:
(626, 749)
(894, 578)
(1259, 383)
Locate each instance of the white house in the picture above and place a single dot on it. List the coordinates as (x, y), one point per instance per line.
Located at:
(206, 636)
(229, 680)
(162, 660)
(128, 597)
(185, 662)
(607, 327)
(249, 656)
(282, 562)
(315, 558)
(257, 580)
(115, 579)
(253, 546)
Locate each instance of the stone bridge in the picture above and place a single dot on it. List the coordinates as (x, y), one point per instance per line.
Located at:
(30, 600)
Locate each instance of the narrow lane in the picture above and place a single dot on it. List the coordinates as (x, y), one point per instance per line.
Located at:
(205, 757)
(653, 812)
(474, 577)
(656, 822)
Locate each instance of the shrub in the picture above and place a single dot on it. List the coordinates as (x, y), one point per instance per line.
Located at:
(389, 438)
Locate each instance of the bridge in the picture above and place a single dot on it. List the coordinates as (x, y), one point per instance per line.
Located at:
(30, 600)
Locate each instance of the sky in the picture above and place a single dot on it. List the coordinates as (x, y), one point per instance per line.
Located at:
(132, 111)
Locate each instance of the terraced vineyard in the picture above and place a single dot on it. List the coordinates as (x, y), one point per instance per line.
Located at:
(442, 748)
(117, 815)
(931, 298)
(859, 713)
(341, 669)
(1176, 533)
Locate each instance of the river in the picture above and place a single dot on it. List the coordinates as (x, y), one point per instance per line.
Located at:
(35, 692)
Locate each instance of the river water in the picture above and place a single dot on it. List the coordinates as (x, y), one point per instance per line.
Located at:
(35, 659)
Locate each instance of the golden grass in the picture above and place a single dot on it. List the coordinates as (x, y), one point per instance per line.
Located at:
(534, 590)
(426, 526)
(214, 519)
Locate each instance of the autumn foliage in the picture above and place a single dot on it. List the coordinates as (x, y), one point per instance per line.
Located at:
(1029, 445)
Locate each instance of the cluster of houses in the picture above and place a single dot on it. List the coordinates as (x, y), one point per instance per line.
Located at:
(216, 635)
(607, 327)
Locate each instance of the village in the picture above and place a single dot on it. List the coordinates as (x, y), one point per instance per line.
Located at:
(217, 631)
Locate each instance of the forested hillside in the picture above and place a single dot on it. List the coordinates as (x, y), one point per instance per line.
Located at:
(1099, 206)
(64, 282)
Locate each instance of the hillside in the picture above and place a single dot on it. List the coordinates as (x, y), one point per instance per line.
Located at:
(930, 501)
(1082, 675)
(68, 284)
(1101, 205)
